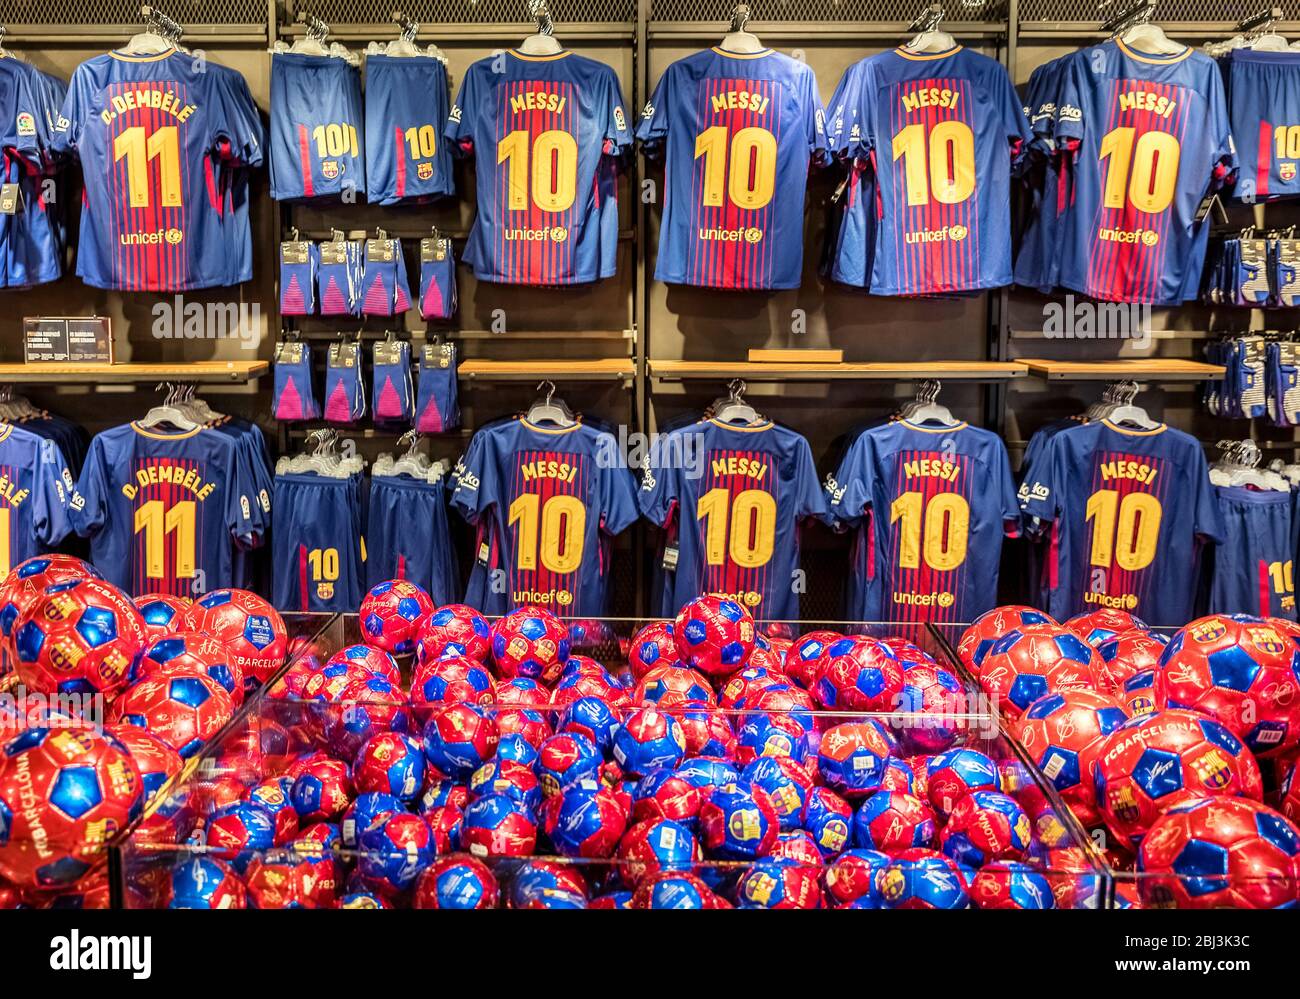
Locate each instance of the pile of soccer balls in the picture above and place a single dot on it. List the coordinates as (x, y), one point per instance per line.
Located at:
(1159, 745)
(721, 768)
(105, 696)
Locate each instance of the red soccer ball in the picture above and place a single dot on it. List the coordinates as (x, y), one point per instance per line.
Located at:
(990, 626)
(1241, 671)
(741, 688)
(393, 614)
(1027, 663)
(1209, 853)
(714, 635)
(454, 629)
(64, 793)
(158, 763)
(939, 701)
(1096, 627)
(890, 821)
(82, 636)
(251, 628)
(654, 645)
(279, 881)
(453, 680)
(805, 660)
(673, 685)
(162, 613)
(530, 642)
(858, 674)
(26, 581)
(1153, 762)
(183, 711)
(456, 881)
(1125, 655)
(177, 655)
(1062, 734)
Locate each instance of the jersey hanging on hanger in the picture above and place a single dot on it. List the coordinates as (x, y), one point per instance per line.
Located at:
(1150, 138)
(548, 134)
(163, 509)
(407, 158)
(942, 132)
(940, 499)
(737, 132)
(546, 501)
(152, 133)
(32, 238)
(316, 127)
(35, 489)
(1131, 507)
(1264, 105)
(736, 495)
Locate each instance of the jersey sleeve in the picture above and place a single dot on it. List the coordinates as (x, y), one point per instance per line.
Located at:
(660, 487)
(652, 129)
(460, 121)
(475, 483)
(1068, 124)
(842, 125)
(1208, 514)
(1008, 503)
(848, 492)
(618, 134)
(71, 121)
(24, 131)
(51, 520)
(1011, 113)
(243, 133)
(618, 506)
(814, 118)
(88, 508)
(1220, 131)
(244, 517)
(810, 501)
(1039, 492)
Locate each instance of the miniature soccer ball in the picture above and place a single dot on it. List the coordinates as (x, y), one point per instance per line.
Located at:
(715, 635)
(251, 628)
(393, 613)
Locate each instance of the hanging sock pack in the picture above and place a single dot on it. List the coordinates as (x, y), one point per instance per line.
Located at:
(438, 409)
(392, 390)
(294, 397)
(386, 291)
(437, 279)
(299, 262)
(339, 278)
(345, 392)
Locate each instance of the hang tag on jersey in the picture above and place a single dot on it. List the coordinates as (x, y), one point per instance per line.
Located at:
(670, 558)
(11, 199)
(1210, 203)
(484, 553)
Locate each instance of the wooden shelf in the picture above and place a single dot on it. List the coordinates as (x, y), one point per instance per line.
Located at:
(1138, 369)
(603, 369)
(889, 371)
(130, 372)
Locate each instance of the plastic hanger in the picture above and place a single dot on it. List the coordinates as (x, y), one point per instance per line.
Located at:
(404, 46)
(737, 39)
(925, 408)
(160, 34)
(734, 408)
(167, 413)
(1238, 467)
(549, 409)
(543, 41)
(928, 37)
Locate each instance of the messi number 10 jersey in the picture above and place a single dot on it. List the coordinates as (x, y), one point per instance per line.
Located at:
(547, 134)
(737, 132)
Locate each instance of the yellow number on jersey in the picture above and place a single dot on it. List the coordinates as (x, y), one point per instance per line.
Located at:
(940, 166)
(1145, 166)
(158, 521)
(324, 564)
(938, 531)
(551, 183)
(555, 530)
(139, 149)
(743, 527)
(744, 168)
(1124, 532)
(422, 141)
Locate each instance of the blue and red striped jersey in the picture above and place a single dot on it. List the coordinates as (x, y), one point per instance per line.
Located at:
(163, 509)
(406, 112)
(35, 490)
(1264, 107)
(154, 132)
(548, 134)
(940, 500)
(1151, 138)
(1130, 507)
(546, 501)
(942, 132)
(737, 132)
(735, 495)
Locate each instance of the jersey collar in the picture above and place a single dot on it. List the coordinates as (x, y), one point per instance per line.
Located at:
(741, 55)
(740, 428)
(1132, 432)
(553, 431)
(934, 430)
(178, 435)
(156, 57)
(562, 54)
(1151, 57)
(926, 56)
(5, 430)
